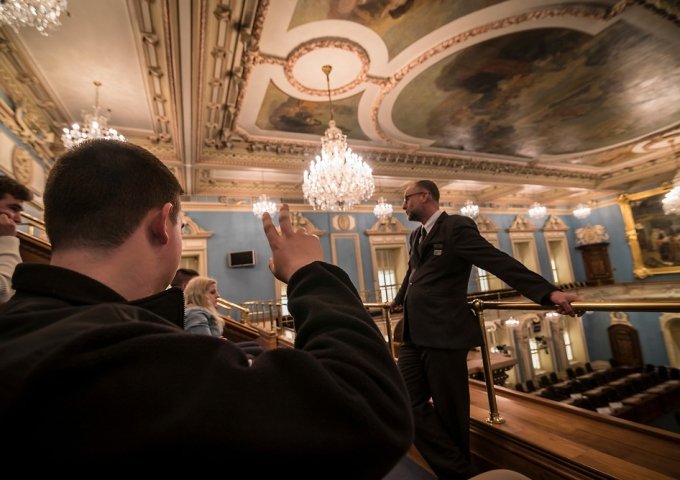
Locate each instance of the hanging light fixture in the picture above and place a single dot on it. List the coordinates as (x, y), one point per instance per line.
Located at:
(95, 125)
(383, 209)
(582, 211)
(263, 204)
(339, 178)
(511, 322)
(470, 209)
(537, 211)
(43, 15)
(671, 201)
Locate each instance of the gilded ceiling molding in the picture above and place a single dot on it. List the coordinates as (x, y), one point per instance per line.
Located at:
(234, 45)
(222, 186)
(23, 84)
(668, 9)
(336, 43)
(150, 15)
(23, 125)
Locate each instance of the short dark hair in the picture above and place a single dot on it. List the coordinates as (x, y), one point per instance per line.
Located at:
(431, 187)
(9, 186)
(182, 276)
(97, 193)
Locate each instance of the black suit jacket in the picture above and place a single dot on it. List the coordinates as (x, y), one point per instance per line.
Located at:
(434, 290)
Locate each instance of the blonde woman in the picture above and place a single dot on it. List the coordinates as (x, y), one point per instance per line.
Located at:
(200, 315)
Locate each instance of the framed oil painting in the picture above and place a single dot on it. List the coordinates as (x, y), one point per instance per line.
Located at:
(653, 236)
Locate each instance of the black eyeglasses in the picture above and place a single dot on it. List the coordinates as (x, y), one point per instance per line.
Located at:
(406, 197)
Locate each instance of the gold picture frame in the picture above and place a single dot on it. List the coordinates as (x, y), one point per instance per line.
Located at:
(653, 237)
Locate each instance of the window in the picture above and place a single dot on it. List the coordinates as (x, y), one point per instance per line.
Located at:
(553, 271)
(567, 346)
(386, 265)
(555, 235)
(284, 300)
(482, 280)
(535, 357)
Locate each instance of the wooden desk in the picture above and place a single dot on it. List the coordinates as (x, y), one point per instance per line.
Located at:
(498, 361)
(499, 365)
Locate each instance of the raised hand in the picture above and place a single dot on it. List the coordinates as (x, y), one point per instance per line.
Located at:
(291, 249)
(8, 226)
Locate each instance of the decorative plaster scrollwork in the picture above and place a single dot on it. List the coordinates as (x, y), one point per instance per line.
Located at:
(22, 165)
(591, 234)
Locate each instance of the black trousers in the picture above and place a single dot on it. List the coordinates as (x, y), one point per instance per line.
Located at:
(442, 426)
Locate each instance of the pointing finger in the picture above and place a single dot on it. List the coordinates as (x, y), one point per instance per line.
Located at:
(284, 220)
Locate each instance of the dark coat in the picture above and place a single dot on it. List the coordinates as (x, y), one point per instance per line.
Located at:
(437, 314)
(91, 383)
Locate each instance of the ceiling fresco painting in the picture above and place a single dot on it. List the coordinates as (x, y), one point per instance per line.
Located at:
(280, 112)
(399, 23)
(545, 92)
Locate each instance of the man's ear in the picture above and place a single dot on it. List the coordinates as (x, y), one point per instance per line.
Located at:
(160, 222)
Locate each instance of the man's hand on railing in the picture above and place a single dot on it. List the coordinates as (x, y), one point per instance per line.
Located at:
(563, 301)
(291, 249)
(395, 307)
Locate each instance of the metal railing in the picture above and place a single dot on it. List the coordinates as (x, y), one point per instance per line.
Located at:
(480, 305)
(34, 226)
(230, 307)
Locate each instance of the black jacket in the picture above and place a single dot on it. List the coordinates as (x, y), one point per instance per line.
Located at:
(91, 381)
(437, 314)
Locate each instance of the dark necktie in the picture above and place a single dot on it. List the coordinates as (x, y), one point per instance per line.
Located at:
(423, 234)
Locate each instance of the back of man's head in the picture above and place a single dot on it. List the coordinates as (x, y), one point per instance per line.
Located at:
(10, 186)
(182, 277)
(97, 194)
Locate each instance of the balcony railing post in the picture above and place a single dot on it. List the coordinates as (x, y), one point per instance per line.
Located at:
(388, 328)
(494, 416)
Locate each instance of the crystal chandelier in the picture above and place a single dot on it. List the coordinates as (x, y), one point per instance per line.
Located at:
(264, 204)
(95, 125)
(582, 211)
(470, 209)
(537, 210)
(671, 202)
(339, 178)
(511, 322)
(382, 209)
(43, 15)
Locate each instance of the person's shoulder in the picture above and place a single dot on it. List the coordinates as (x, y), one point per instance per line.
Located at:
(8, 242)
(195, 310)
(456, 219)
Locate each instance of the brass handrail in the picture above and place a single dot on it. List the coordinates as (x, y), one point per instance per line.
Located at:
(226, 304)
(480, 305)
(34, 223)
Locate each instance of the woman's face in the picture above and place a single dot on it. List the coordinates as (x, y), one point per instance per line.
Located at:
(213, 295)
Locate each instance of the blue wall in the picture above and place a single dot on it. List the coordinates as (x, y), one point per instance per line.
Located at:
(236, 231)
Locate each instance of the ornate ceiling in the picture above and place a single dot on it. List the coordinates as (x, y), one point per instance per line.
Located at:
(506, 102)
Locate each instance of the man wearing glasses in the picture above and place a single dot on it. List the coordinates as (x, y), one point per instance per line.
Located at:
(440, 328)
